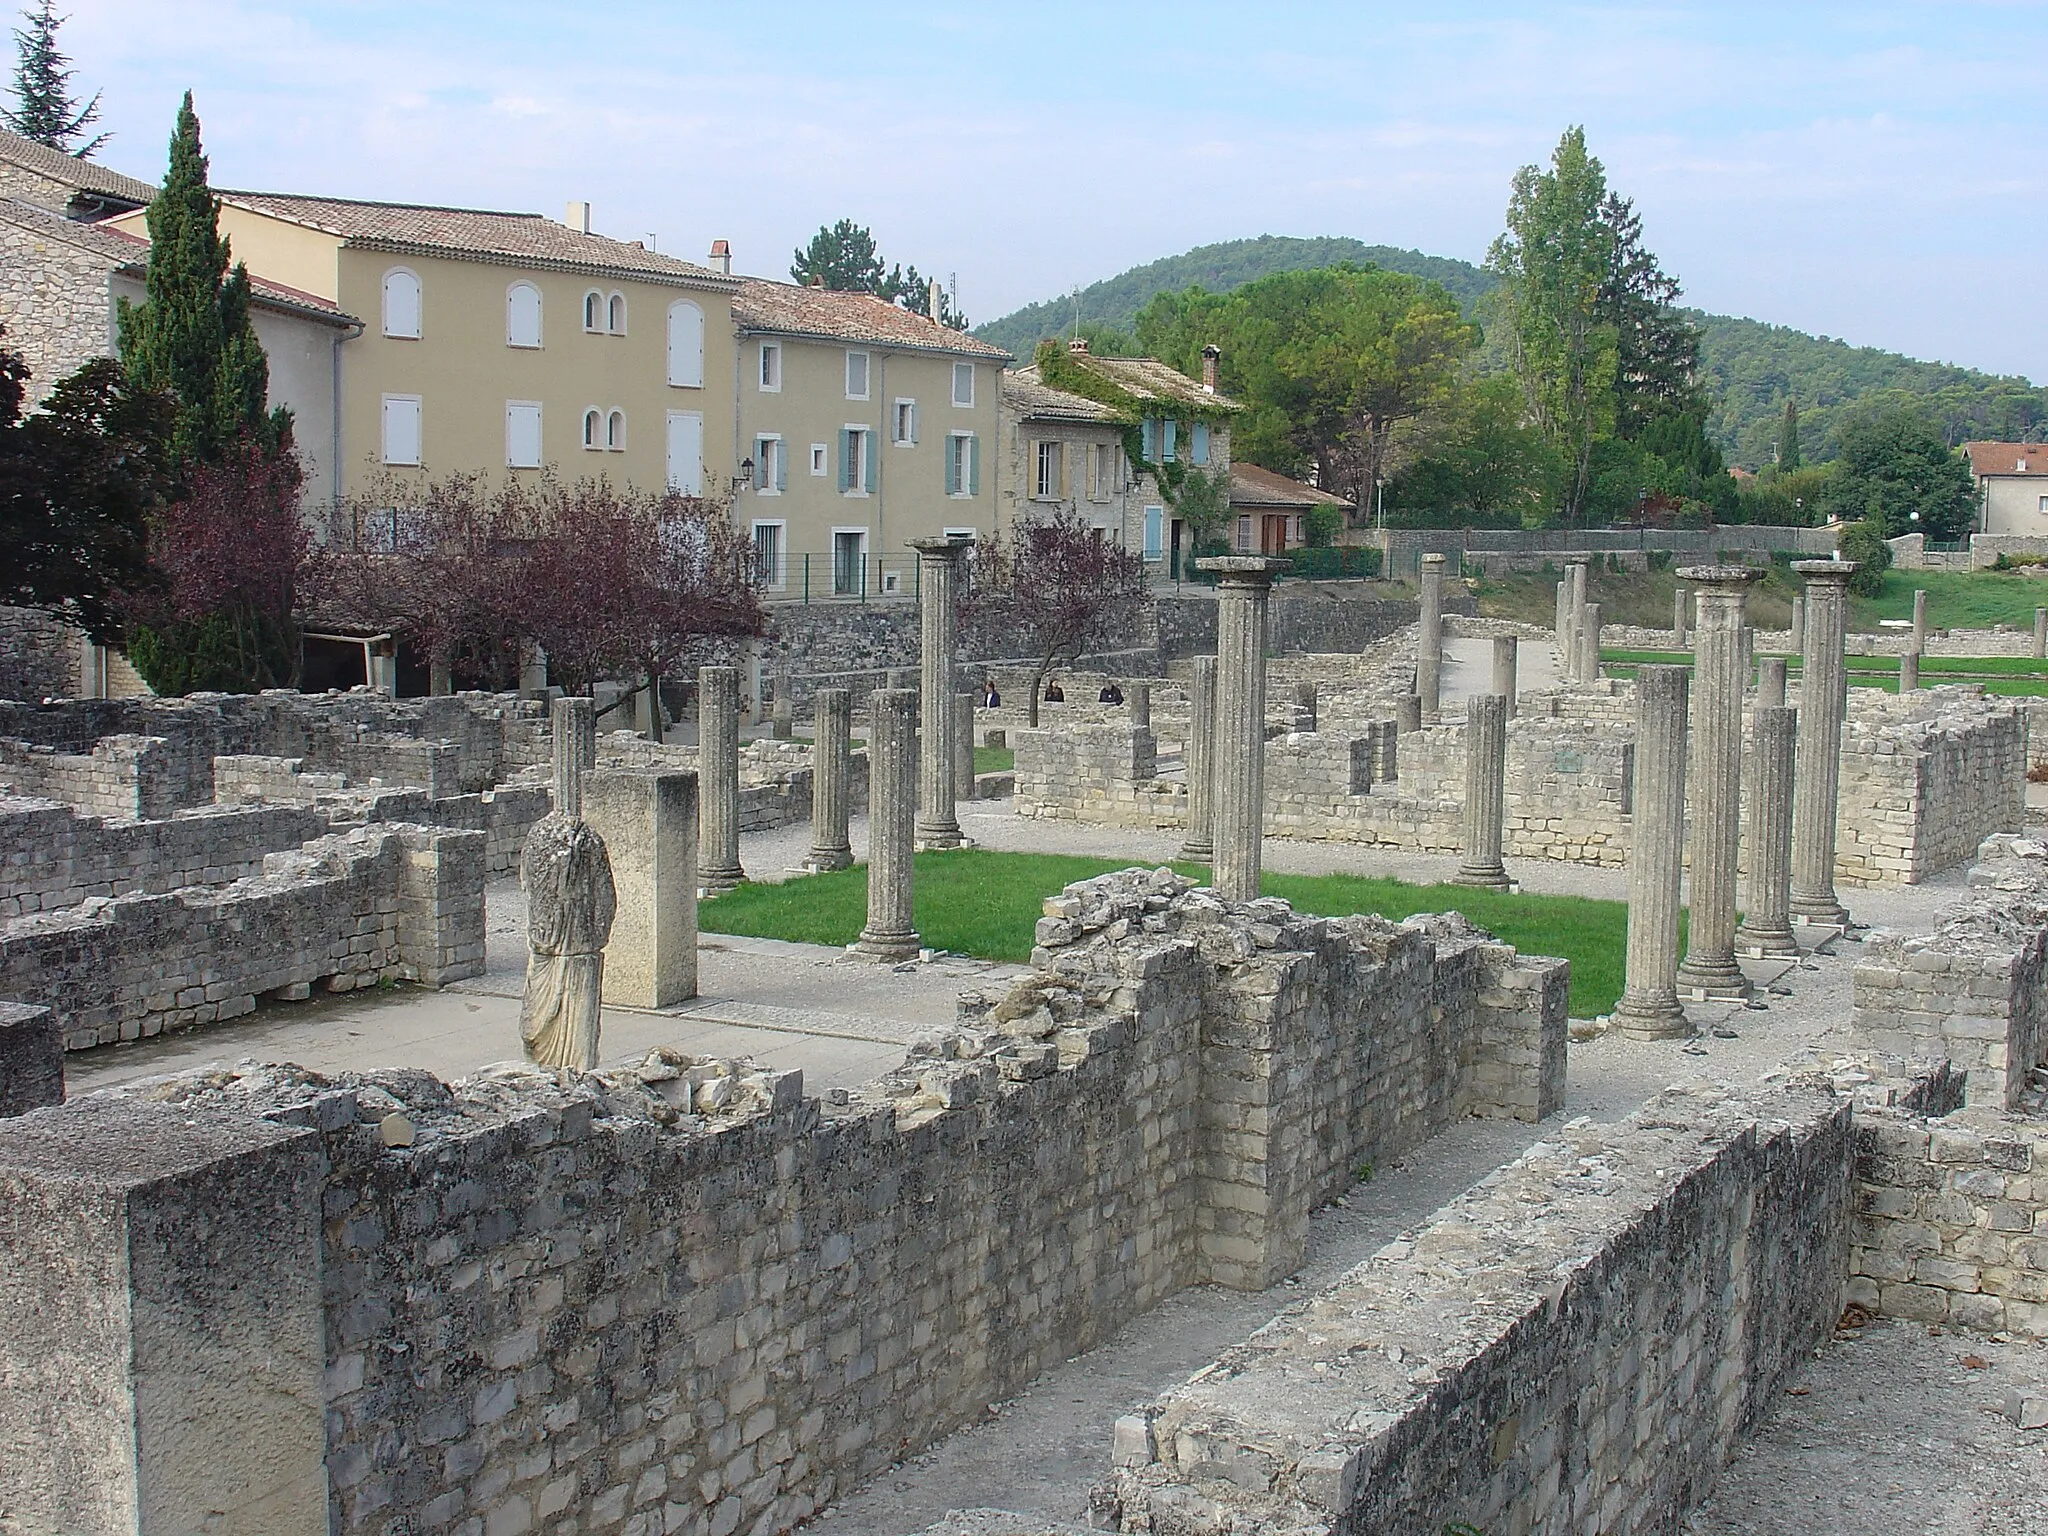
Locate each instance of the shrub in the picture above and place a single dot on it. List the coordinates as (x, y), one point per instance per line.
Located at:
(1864, 543)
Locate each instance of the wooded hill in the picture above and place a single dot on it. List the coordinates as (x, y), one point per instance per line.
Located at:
(1753, 367)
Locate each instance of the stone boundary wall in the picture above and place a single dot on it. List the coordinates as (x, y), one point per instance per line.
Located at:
(684, 1297)
(775, 776)
(121, 776)
(346, 911)
(52, 857)
(39, 655)
(1577, 1344)
(1530, 550)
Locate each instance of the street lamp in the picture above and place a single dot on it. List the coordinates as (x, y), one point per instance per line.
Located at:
(747, 472)
(1380, 518)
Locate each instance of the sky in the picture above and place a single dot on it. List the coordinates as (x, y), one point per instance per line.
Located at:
(1858, 171)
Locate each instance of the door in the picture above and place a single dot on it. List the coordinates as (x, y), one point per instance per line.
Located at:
(686, 452)
(849, 563)
(1272, 535)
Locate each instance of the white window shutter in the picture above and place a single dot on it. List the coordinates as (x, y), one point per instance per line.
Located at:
(522, 434)
(685, 345)
(401, 430)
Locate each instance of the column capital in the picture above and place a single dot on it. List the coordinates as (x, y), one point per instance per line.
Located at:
(1725, 577)
(1255, 571)
(940, 551)
(1825, 572)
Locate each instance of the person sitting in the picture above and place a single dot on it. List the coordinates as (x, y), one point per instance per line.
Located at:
(990, 699)
(1111, 694)
(1053, 695)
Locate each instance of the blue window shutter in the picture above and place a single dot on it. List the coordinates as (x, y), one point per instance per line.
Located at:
(1198, 449)
(1166, 445)
(1149, 436)
(845, 460)
(974, 466)
(870, 465)
(782, 466)
(949, 464)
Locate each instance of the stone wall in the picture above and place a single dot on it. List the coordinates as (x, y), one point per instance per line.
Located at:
(1925, 779)
(1300, 616)
(1106, 774)
(39, 657)
(31, 1059)
(346, 911)
(1578, 1344)
(54, 299)
(127, 776)
(775, 776)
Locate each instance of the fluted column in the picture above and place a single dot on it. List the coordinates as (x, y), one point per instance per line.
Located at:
(574, 723)
(831, 770)
(891, 933)
(1823, 699)
(1429, 635)
(1909, 671)
(1486, 763)
(1721, 593)
(1587, 669)
(1649, 1006)
(963, 746)
(1199, 754)
(1767, 913)
(1243, 583)
(718, 778)
(938, 583)
(1798, 626)
(1506, 662)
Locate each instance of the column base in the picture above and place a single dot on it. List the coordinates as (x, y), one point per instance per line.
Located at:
(924, 844)
(1486, 879)
(1652, 1018)
(887, 946)
(939, 834)
(822, 861)
(1766, 943)
(1821, 911)
(714, 881)
(1712, 981)
(1197, 853)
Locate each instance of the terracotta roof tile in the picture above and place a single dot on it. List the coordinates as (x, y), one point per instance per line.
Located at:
(1148, 378)
(860, 317)
(1251, 486)
(83, 175)
(2007, 458)
(1030, 400)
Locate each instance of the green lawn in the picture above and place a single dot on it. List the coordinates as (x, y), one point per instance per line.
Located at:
(994, 759)
(2009, 676)
(1955, 599)
(981, 903)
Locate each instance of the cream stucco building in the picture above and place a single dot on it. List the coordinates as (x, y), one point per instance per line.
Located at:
(2012, 487)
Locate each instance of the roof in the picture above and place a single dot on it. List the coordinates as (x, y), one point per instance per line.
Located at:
(477, 234)
(2007, 458)
(829, 315)
(80, 175)
(1150, 379)
(1251, 486)
(124, 252)
(1026, 398)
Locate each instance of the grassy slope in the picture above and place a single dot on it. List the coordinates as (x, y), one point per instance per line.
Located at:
(986, 904)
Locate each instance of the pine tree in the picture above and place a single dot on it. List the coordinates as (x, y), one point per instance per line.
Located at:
(1788, 439)
(42, 88)
(191, 339)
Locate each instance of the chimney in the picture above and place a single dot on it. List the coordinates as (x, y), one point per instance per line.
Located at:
(1078, 347)
(578, 218)
(1211, 356)
(933, 296)
(721, 258)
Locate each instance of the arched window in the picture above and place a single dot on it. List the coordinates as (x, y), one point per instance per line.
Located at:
(522, 315)
(615, 431)
(593, 428)
(593, 311)
(615, 315)
(402, 303)
(686, 345)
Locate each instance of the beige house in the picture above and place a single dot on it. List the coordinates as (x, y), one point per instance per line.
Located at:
(2012, 487)
(1065, 453)
(504, 343)
(860, 426)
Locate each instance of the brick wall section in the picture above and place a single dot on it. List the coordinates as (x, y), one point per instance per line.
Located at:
(1577, 1344)
(1952, 1220)
(131, 776)
(349, 910)
(1104, 773)
(31, 1059)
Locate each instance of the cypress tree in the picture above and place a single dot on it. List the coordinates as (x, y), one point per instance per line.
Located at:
(192, 339)
(1788, 439)
(42, 88)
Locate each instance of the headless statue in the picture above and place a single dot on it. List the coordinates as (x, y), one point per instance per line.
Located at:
(567, 876)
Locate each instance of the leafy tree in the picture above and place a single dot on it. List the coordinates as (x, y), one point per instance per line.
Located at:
(77, 482)
(192, 339)
(1056, 585)
(45, 109)
(1786, 456)
(1864, 542)
(1477, 463)
(1897, 471)
(1790, 499)
(1201, 500)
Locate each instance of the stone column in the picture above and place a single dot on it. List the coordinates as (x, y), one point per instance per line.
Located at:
(1770, 682)
(1649, 1006)
(1721, 593)
(574, 722)
(1386, 752)
(1200, 756)
(649, 825)
(963, 746)
(1767, 917)
(1429, 635)
(718, 779)
(785, 709)
(1506, 661)
(938, 579)
(1141, 704)
(1823, 699)
(1748, 652)
(1243, 584)
(1305, 698)
(1920, 619)
(1909, 671)
(1408, 712)
(1588, 668)
(1564, 595)
(440, 678)
(831, 770)
(2040, 632)
(1574, 618)
(891, 933)
(1486, 765)
(1678, 617)
(1798, 626)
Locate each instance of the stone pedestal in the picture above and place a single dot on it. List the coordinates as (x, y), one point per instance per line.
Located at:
(1305, 699)
(1506, 663)
(1386, 751)
(1678, 617)
(1429, 635)
(785, 709)
(1408, 712)
(963, 746)
(891, 933)
(1767, 913)
(1588, 668)
(1575, 614)
(1798, 626)
(574, 725)
(1919, 619)
(718, 779)
(649, 825)
(938, 578)
(1823, 698)
(1649, 1006)
(1140, 697)
(1770, 682)
(1721, 593)
(831, 771)
(440, 678)
(1909, 671)
(1243, 585)
(1200, 756)
(1486, 764)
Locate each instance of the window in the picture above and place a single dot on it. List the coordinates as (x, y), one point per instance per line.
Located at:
(963, 465)
(685, 345)
(1049, 472)
(686, 452)
(856, 375)
(522, 434)
(1098, 455)
(1244, 536)
(1155, 527)
(401, 429)
(402, 304)
(1166, 435)
(963, 384)
(849, 562)
(856, 462)
(615, 431)
(593, 428)
(615, 314)
(522, 315)
(771, 366)
(2044, 504)
(771, 465)
(818, 455)
(768, 554)
(903, 423)
(593, 312)
(1198, 443)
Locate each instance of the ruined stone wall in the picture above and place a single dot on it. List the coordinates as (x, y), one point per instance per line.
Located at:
(52, 857)
(39, 657)
(775, 776)
(1925, 779)
(1106, 774)
(128, 776)
(346, 911)
(1577, 1344)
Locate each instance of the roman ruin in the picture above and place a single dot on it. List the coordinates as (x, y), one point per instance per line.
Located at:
(1714, 776)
